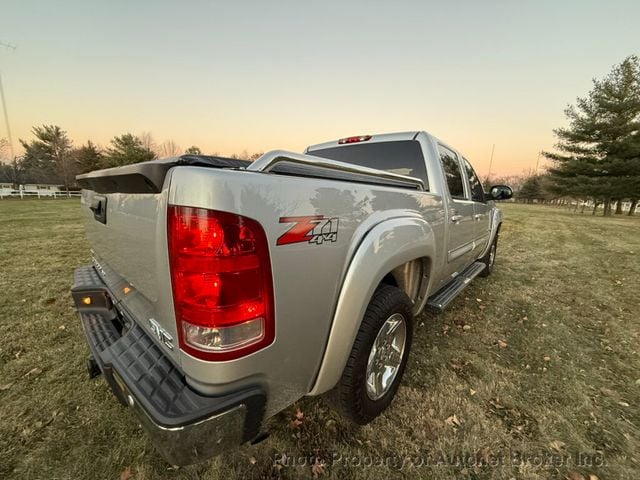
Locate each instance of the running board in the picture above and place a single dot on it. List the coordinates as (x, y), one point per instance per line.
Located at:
(443, 297)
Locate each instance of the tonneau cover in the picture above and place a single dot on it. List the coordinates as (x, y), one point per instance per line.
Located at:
(148, 177)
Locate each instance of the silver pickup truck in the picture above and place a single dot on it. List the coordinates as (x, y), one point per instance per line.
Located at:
(222, 291)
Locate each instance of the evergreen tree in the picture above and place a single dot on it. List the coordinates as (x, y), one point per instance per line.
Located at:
(47, 159)
(530, 189)
(599, 152)
(534, 188)
(127, 149)
(12, 172)
(88, 158)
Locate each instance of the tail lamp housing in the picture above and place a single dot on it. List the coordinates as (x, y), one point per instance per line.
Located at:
(221, 280)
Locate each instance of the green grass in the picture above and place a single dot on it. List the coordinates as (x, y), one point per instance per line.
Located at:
(539, 360)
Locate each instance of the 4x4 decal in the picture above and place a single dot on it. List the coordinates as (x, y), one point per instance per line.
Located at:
(311, 229)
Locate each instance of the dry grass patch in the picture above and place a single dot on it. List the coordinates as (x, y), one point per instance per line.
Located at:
(528, 370)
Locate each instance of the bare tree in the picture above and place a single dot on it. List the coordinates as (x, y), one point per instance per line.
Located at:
(245, 155)
(148, 142)
(169, 148)
(4, 144)
(193, 150)
(514, 181)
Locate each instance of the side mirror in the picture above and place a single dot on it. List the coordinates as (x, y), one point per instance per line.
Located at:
(500, 192)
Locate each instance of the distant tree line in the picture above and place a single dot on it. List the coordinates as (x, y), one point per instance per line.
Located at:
(51, 158)
(540, 188)
(597, 156)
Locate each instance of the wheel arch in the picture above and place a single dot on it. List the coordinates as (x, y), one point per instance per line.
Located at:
(496, 224)
(396, 252)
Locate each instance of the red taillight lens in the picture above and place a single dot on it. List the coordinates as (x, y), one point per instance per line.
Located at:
(221, 277)
(361, 138)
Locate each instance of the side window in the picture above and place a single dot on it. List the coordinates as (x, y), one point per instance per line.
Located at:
(477, 192)
(452, 172)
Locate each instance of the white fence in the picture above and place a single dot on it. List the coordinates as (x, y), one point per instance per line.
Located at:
(37, 193)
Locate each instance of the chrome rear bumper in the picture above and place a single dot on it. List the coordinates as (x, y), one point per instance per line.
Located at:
(184, 425)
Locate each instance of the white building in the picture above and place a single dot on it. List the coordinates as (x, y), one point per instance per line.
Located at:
(41, 190)
(6, 189)
(29, 190)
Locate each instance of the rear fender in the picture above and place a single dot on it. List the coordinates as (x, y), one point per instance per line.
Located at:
(496, 221)
(387, 246)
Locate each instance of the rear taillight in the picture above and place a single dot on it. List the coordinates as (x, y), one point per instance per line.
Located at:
(221, 278)
(361, 138)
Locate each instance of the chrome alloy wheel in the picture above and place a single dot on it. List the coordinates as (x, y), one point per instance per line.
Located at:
(386, 356)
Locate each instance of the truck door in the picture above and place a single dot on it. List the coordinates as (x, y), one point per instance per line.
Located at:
(460, 221)
(482, 211)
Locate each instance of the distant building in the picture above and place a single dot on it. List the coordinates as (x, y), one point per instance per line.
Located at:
(41, 190)
(6, 189)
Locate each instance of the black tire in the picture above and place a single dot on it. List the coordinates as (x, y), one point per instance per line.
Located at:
(351, 394)
(490, 258)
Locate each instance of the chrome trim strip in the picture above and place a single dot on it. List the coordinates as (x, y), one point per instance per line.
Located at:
(459, 251)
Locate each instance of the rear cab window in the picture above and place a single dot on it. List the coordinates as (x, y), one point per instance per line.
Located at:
(402, 157)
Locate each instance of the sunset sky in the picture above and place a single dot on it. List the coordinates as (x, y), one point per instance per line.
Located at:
(229, 76)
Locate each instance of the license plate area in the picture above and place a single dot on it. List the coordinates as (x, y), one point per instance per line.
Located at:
(117, 385)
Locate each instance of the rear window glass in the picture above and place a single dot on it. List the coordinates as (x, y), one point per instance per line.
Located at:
(403, 157)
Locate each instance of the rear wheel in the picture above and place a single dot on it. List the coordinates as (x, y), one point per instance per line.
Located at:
(378, 357)
(490, 258)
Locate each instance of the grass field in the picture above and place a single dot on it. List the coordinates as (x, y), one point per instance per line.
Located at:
(533, 373)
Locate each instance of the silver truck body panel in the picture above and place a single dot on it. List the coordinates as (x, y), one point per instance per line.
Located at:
(307, 278)
(455, 245)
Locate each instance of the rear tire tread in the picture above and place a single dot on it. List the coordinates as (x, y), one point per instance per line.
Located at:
(488, 269)
(349, 395)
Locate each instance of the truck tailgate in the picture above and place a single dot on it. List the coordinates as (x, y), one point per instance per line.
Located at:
(125, 211)
(128, 240)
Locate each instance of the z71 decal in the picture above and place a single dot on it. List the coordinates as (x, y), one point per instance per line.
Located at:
(312, 229)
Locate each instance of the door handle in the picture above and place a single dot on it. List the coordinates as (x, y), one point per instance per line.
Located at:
(456, 218)
(477, 216)
(99, 208)
(96, 206)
